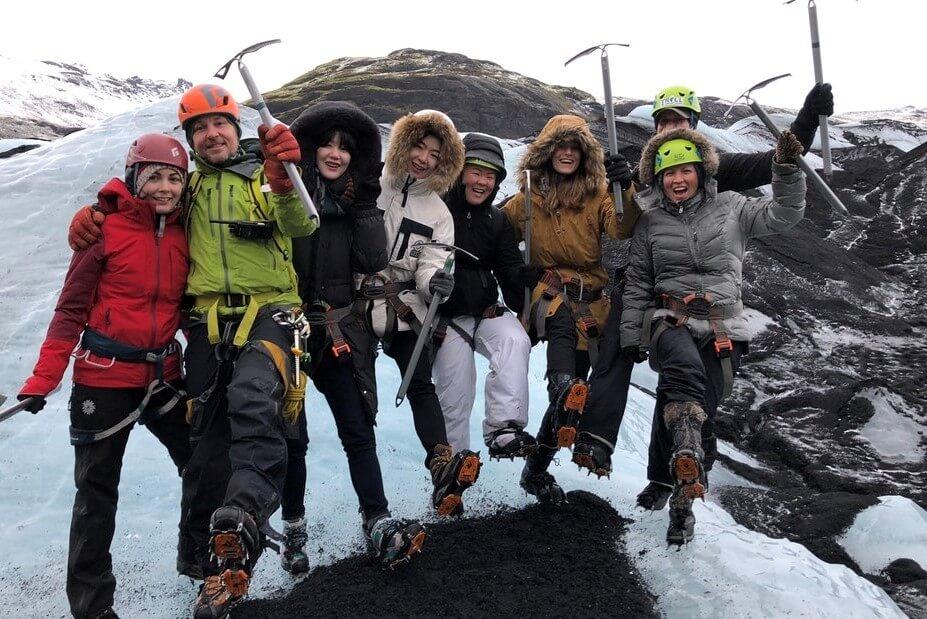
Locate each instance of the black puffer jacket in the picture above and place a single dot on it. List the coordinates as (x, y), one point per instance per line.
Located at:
(485, 232)
(351, 238)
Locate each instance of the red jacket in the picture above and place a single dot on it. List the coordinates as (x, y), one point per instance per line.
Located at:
(127, 287)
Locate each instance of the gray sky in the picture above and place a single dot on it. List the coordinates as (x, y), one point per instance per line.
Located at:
(871, 50)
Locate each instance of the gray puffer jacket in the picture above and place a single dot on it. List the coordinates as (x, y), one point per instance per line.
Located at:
(699, 248)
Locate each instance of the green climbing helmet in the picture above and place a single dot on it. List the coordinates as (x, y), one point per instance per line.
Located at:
(679, 98)
(674, 153)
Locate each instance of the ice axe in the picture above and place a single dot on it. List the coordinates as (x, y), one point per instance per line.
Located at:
(609, 110)
(526, 309)
(425, 334)
(819, 79)
(268, 119)
(813, 176)
(21, 405)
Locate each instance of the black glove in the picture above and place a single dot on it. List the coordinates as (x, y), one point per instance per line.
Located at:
(818, 102)
(367, 188)
(617, 170)
(788, 148)
(634, 353)
(37, 403)
(529, 275)
(441, 284)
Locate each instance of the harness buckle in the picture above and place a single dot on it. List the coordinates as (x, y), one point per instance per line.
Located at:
(723, 345)
(236, 300)
(553, 283)
(589, 326)
(341, 347)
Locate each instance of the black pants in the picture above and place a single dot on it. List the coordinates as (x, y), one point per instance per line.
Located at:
(293, 499)
(610, 380)
(241, 458)
(97, 468)
(562, 358)
(426, 411)
(687, 373)
(335, 380)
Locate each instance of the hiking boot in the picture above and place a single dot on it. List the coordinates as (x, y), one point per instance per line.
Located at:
(568, 397)
(654, 496)
(106, 613)
(510, 443)
(394, 541)
(684, 420)
(593, 454)
(293, 557)
(542, 485)
(681, 528)
(234, 540)
(451, 475)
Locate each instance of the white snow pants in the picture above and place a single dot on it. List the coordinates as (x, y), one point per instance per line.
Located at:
(503, 341)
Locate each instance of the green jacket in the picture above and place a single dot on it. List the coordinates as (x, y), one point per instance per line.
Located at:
(221, 263)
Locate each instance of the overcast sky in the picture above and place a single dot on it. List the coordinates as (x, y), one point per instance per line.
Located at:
(872, 50)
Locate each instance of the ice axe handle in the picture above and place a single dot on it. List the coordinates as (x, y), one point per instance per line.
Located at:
(812, 175)
(423, 336)
(819, 79)
(610, 127)
(526, 308)
(268, 119)
(16, 408)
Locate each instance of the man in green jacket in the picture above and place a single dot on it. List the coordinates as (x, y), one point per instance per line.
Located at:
(240, 220)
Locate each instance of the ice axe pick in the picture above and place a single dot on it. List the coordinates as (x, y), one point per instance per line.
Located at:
(609, 109)
(813, 176)
(267, 118)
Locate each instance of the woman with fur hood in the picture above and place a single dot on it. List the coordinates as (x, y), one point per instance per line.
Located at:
(341, 169)
(571, 208)
(682, 301)
(423, 159)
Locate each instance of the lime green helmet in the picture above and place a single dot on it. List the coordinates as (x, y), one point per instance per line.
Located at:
(677, 98)
(674, 153)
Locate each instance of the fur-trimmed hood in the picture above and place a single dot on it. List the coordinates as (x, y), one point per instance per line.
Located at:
(316, 120)
(565, 192)
(708, 152)
(408, 131)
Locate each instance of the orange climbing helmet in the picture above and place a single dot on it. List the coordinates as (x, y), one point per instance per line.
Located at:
(205, 99)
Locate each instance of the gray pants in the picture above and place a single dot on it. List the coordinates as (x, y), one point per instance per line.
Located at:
(501, 340)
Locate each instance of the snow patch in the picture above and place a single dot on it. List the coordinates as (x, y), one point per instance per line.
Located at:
(733, 453)
(894, 528)
(757, 321)
(893, 434)
(68, 95)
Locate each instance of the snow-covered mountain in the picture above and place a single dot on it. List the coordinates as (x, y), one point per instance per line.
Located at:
(47, 99)
(729, 570)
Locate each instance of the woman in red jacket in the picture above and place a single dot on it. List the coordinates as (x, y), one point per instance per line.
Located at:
(118, 312)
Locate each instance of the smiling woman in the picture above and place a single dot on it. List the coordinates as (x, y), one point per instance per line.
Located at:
(682, 301)
(569, 207)
(124, 294)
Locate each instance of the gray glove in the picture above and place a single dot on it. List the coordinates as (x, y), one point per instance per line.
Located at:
(441, 284)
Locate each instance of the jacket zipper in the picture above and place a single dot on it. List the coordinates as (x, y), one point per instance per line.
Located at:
(692, 242)
(225, 262)
(405, 189)
(157, 292)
